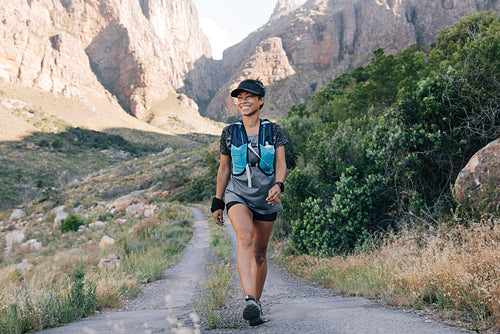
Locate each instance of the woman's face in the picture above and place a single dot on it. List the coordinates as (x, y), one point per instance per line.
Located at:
(248, 103)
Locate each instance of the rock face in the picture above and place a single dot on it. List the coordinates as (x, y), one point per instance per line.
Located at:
(17, 214)
(481, 174)
(136, 50)
(144, 53)
(323, 38)
(269, 63)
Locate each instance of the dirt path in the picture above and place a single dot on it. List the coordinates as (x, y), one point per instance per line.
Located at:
(295, 306)
(148, 312)
(291, 305)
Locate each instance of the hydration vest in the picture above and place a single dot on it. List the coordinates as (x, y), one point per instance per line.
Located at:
(239, 148)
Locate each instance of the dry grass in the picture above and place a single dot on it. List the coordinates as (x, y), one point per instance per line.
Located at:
(453, 272)
(146, 246)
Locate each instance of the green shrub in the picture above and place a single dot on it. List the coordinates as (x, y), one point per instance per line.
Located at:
(71, 223)
(197, 189)
(405, 125)
(347, 221)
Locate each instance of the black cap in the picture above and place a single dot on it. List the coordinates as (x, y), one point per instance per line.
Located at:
(249, 85)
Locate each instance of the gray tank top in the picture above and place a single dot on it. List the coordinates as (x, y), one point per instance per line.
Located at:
(254, 193)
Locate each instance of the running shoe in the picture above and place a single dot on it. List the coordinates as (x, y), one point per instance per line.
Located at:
(252, 311)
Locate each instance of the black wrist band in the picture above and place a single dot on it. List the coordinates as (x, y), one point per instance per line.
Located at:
(282, 186)
(217, 204)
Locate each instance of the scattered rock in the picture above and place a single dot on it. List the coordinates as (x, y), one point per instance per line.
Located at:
(23, 267)
(106, 242)
(150, 211)
(59, 208)
(17, 214)
(120, 222)
(166, 151)
(14, 237)
(482, 173)
(59, 218)
(111, 262)
(97, 224)
(117, 154)
(32, 244)
(135, 209)
(122, 203)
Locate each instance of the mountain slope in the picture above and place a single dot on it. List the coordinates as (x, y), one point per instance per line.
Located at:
(134, 52)
(324, 38)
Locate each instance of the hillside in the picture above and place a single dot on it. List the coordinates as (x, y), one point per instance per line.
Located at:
(157, 65)
(99, 237)
(301, 48)
(107, 60)
(26, 110)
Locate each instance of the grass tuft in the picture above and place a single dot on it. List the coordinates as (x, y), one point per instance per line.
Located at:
(216, 294)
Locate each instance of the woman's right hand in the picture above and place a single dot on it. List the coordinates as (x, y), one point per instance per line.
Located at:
(218, 217)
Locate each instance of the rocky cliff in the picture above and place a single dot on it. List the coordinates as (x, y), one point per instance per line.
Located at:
(144, 53)
(136, 50)
(315, 42)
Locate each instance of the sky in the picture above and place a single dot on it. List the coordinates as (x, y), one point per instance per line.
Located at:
(227, 22)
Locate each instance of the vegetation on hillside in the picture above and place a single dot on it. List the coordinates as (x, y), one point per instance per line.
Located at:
(373, 156)
(66, 281)
(43, 162)
(386, 142)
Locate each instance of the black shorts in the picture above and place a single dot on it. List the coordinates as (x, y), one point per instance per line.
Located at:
(270, 217)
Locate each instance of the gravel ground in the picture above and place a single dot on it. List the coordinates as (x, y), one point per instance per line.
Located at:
(291, 304)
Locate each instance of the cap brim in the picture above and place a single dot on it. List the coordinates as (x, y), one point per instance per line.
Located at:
(235, 92)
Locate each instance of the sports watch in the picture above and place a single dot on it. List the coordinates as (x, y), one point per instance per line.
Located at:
(282, 186)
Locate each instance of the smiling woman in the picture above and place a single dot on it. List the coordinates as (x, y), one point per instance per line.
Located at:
(251, 174)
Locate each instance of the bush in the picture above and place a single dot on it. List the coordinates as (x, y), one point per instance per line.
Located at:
(71, 223)
(404, 126)
(347, 221)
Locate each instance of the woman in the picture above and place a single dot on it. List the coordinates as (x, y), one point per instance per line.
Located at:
(251, 176)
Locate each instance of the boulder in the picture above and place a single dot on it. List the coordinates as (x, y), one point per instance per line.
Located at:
(97, 224)
(32, 245)
(106, 242)
(135, 209)
(59, 218)
(17, 214)
(122, 203)
(150, 211)
(480, 175)
(111, 262)
(14, 237)
(23, 267)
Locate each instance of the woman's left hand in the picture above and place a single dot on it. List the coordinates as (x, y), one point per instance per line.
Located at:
(274, 195)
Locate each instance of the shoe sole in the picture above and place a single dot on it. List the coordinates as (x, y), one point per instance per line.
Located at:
(256, 321)
(251, 312)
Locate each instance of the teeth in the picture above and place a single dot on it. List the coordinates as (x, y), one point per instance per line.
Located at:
(245, 108)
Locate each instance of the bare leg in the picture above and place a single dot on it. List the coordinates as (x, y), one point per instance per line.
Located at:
(242, 220)
(262, 233)
(253, 237)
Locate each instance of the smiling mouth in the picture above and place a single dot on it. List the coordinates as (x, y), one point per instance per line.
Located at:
(245, 108)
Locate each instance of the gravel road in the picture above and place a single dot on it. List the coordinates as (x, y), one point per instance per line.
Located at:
(167, 299)
(291, 305)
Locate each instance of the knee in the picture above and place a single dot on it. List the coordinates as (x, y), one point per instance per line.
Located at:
(246, 240)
